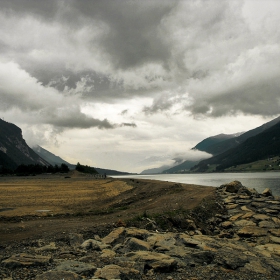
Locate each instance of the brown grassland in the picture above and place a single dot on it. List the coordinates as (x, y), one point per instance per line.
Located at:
(45, 205)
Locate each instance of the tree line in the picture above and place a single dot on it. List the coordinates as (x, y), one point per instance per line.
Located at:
(35, 169)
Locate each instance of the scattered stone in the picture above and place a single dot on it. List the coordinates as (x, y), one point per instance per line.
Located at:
(267, 192)
(116, 272)
(261, 217)
(274, 239)
(243, 223)
(248, 215)
(226, 224)
(233, 187)
(244, 208)
(75, 239)
(92, 244)
(156, 261)
(249, 231)
(134, 244)
(234, 261)
(115, 236)
(231, 206)
(57, 275)
(77, 267)
(245, 245)
(258, 204)
(107, 254)
(271, 211)
(267, 224)
(256, 266)
(50, 247)
(235, 217)
(275, 232)
(22, 260)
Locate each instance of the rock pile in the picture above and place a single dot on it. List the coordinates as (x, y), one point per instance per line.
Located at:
(246, 245)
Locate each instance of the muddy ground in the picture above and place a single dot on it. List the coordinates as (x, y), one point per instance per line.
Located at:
(52, 205)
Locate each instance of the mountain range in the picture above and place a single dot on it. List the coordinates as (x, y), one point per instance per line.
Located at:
(264, 145)
(14, 151)
(226, 142)
(228, 151)
(231, 149)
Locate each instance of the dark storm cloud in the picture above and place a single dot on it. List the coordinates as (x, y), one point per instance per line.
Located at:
(129, 124)
(256, 98)
(133, 36)
(39, 8)
(80, 121)
(107, 50)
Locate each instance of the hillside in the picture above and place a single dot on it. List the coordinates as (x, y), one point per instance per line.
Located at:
(207, 143)
(181, 168)
(13, 148)
(56, 160)
(51, 158)
(264, 145)
(222, 146)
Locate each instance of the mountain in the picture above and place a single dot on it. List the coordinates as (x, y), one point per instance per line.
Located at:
(111, 172)
(264, 145)
(220, 147)
(207, 143)
(56, 160)
(156, 170)
(13, 148)
(181, 168)
(51, 158)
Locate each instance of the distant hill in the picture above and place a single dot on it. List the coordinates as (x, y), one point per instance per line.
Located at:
(56, 160)
(110, 172)
(156, 170)
(181, 168)
(265, 144)
(13, 148)
(222, 146)
(51, 158)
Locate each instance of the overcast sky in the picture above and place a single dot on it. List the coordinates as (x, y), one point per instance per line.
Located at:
(131, 85)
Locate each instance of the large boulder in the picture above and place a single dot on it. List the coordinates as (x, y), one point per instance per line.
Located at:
(233, 187)
(152, 260)
(267, 192)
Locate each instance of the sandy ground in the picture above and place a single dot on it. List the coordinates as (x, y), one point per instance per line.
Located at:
(47, 205)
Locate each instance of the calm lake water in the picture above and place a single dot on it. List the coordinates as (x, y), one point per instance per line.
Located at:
(259, 181)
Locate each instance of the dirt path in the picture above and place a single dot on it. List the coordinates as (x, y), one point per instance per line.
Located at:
(81, 203)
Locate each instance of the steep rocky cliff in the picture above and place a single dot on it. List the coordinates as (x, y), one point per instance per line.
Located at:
(13, 148)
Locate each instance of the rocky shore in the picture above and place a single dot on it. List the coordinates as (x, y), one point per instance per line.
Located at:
(242, 242)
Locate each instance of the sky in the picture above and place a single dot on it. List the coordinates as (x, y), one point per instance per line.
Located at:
(131, 85)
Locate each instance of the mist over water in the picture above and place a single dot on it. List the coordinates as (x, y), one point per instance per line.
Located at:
(258, 180)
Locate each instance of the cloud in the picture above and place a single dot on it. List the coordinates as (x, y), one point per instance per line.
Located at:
(133, 34)
(129, 124)
(177, 52)
(45, 104)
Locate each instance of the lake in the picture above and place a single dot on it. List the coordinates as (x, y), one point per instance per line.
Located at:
(258, 180)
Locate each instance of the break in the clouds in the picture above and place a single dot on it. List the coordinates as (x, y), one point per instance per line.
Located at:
(132, 67)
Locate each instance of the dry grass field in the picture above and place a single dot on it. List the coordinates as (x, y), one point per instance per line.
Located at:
(48, 205)
(46, 195)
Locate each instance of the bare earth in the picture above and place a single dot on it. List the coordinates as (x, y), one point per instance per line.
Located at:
(47, 205)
